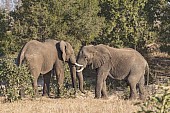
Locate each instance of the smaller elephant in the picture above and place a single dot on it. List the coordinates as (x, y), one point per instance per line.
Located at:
(125, 63)
(44, 57)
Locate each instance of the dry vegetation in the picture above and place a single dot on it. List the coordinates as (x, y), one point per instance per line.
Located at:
(72, 105)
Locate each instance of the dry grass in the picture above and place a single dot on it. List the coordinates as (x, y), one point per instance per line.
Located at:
(77, 105)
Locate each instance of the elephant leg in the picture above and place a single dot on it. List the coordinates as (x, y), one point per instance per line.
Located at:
(104, 92)
(35, 73)
(101, 84)
(60, 82)
(46, 86)
(132, 82)
(35, 68)
(142, 88)
(35, 85)
(60, 79)
(98, 88)
(22, 92)
(73, 75)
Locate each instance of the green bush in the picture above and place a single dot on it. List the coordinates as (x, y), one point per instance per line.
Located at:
(159, 103)
(14, 79)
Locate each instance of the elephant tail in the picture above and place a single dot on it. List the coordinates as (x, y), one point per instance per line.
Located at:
(147, 72)
(21, 56)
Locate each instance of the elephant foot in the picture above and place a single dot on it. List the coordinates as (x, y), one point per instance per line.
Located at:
(45, 95)
(22, 94)
(96, 97)
(132, 97)
(37, 96)
(83, 92)
(105, 97)
(143, 97)
(59, 95)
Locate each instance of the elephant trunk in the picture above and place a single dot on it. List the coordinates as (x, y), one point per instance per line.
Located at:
(80, 77)
(72, 65)
(73, 75)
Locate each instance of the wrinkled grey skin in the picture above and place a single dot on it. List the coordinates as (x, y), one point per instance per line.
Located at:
(44, 57)
(120, 63)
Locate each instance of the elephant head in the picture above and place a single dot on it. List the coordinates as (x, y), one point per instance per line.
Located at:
(69, 56)
(95, 56)
(67, 52)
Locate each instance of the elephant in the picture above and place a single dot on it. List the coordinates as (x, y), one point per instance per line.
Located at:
(118, 63)
(44, 57)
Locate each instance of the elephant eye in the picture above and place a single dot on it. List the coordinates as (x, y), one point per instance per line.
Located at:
(85, 57)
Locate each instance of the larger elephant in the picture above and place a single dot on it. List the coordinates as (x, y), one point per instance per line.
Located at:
(43, 57)
(125, 63)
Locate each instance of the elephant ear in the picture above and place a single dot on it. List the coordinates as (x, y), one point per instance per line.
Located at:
(101, 56)
(63, 49)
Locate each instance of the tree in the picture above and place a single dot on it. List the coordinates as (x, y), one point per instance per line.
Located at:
(126, 25)
(83, 20)
(157, 15)
(165, 23)
(57, 19)
(7, 40)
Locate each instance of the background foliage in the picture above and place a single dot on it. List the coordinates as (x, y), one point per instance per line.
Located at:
(118, 23)
(14, 79)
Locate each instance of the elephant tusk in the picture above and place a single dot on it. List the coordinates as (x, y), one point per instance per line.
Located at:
(80, 70)
(78, 65)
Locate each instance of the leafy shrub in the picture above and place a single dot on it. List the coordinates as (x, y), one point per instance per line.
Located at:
(159, 103)
(14, 79)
